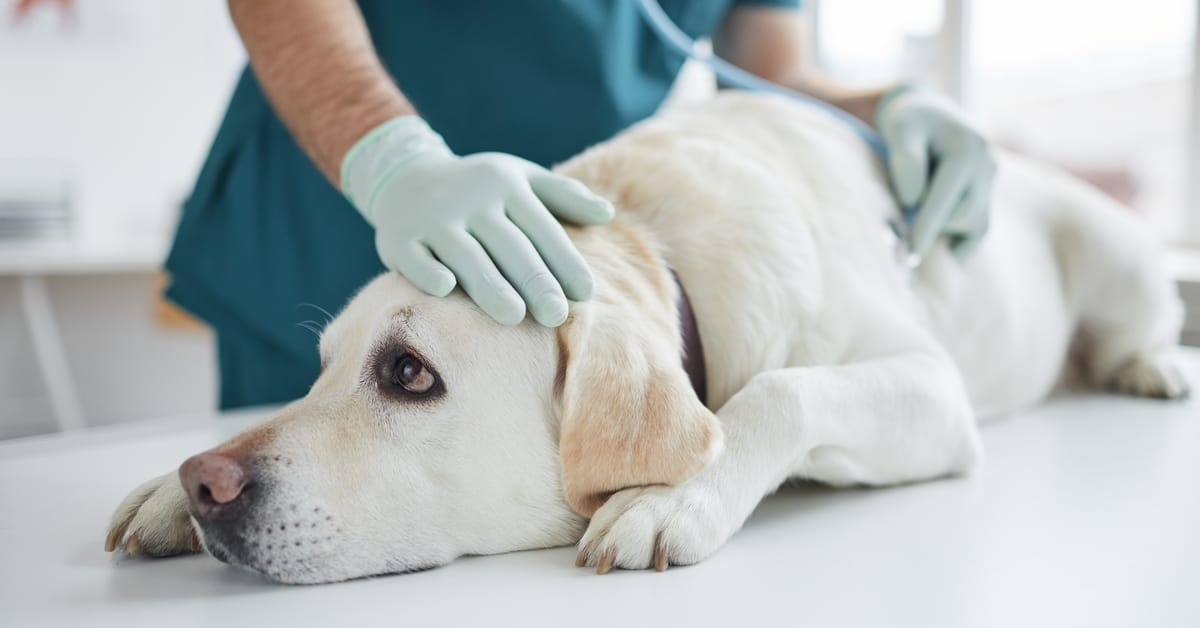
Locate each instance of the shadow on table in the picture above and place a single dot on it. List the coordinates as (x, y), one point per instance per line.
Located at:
(802, 498)
(173, 578)
(202, 576)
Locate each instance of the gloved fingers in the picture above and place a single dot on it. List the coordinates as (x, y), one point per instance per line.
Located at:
(908, 163)
(418, 265)
(963, 218)
(479, 276)
(972, 228)
(520, 263)
(971, 222)
(569, 199)
(552, 243)
(971, 212)
(946, 192)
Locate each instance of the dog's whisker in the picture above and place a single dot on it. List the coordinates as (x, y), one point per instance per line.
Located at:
(311, 326)
(328, 316)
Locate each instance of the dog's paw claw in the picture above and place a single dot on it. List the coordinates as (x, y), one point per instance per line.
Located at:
(133, 545)
(660, 558)
(115, 536)
(606, 561)
(585, 554)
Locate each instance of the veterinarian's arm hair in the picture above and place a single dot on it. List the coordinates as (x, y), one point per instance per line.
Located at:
(315, 60)
(773, 44)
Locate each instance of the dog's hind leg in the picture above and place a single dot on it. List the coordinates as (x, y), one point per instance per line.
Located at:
(885, 420)
(1128, 306)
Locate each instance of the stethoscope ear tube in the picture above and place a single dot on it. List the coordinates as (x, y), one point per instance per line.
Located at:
(670, 33)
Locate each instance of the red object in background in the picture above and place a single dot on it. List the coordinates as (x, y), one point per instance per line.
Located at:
(23, 7)
(1118, 183)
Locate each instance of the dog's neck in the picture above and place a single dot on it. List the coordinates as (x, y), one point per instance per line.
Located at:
(693, 350)
(633, 274)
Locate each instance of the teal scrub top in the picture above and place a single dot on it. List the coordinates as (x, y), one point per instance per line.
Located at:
(265, 239)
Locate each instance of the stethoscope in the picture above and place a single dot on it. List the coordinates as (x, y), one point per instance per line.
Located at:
(670, 33)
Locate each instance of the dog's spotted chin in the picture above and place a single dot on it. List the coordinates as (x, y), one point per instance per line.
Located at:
(288, 541)
(288, 563)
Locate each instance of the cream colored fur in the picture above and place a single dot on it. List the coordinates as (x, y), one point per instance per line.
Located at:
(826, 360)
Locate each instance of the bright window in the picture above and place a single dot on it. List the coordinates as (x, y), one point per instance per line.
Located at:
(1102, 88)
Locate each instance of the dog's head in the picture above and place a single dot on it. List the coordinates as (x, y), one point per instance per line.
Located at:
(434, 432)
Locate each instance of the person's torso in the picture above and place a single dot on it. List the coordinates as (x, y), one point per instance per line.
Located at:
(542, 80)
(264, 232)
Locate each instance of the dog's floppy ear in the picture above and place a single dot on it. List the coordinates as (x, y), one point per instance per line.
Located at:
(629, 414)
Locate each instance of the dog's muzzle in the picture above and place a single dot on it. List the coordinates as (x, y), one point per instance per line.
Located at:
(246, 519)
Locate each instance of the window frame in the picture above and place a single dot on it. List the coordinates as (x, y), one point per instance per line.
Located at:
(1192, 197)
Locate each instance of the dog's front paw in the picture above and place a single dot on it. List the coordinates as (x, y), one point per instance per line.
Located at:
(154, 521)
(655, 526)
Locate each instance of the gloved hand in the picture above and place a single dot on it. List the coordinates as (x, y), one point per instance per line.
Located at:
(940, 165)
(483, 220)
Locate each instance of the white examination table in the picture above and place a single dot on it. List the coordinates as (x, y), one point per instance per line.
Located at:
(1086, 513)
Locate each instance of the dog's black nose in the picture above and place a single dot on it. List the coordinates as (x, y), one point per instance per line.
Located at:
(214, 482)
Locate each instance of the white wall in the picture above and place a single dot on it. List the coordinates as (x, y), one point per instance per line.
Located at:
(122, 101)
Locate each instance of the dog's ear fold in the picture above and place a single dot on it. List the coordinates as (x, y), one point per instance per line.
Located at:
(629, 414)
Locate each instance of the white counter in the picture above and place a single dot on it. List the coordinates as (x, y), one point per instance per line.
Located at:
(114, 253)
(1087, 513)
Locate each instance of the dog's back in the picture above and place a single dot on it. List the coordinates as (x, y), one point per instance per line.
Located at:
(774, 216)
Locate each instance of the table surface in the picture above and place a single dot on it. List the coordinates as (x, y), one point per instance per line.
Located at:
(1086, 513)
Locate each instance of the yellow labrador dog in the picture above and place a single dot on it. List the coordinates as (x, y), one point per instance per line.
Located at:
(434, 432)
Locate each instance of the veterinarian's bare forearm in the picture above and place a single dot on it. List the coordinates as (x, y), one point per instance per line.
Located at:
(772, 43)
(315, 60)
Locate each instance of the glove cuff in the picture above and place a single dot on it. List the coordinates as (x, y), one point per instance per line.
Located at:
(381, 153)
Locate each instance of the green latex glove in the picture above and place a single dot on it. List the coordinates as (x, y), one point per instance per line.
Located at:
(940, 165)
(484, 221)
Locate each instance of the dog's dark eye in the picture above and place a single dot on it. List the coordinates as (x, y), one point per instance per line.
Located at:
(405, 373)
(405, 376)
(410, 374)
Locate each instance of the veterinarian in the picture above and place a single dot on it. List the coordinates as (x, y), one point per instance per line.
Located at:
(416, 135)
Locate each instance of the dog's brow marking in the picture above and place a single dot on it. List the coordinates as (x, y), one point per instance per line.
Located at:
(405, 314)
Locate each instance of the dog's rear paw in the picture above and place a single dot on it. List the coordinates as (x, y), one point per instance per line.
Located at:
(154, 521)
(1158, 378)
